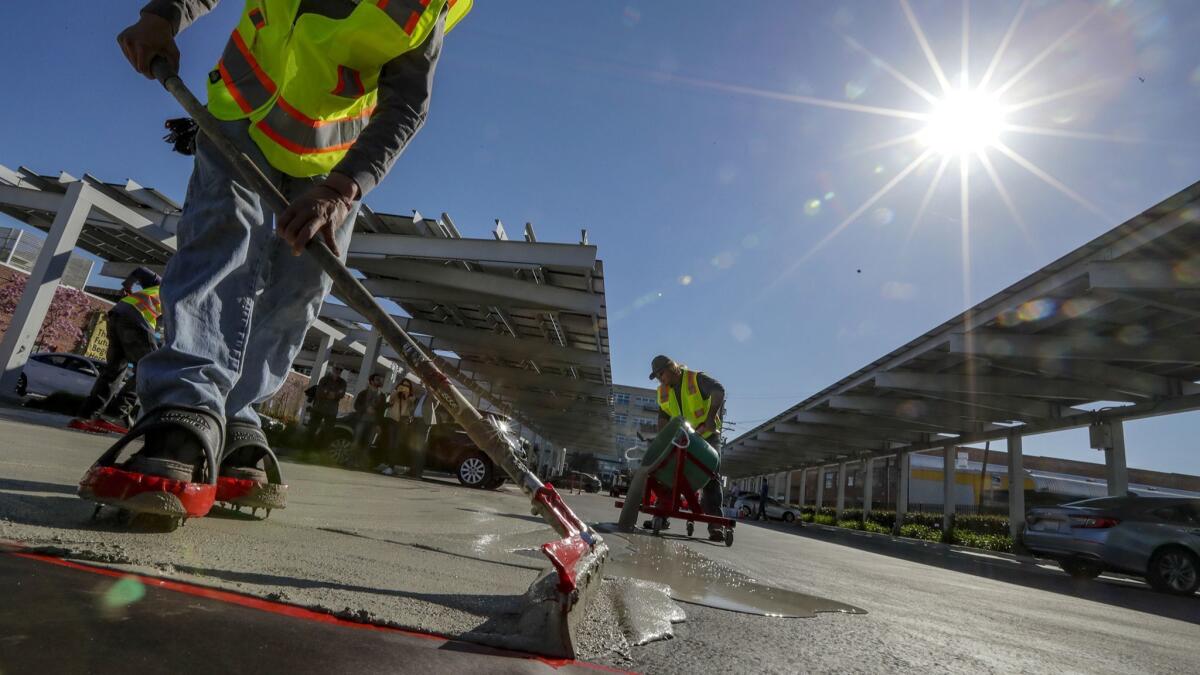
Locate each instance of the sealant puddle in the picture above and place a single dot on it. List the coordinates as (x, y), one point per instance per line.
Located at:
(698, 580)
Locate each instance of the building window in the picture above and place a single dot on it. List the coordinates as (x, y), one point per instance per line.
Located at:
(645, 401)
(620, 418)
(644, 422)
(621, 398)
(828, 480)
(850, 478)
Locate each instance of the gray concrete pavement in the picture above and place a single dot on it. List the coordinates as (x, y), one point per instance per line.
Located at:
(930, 609)
(434, 556)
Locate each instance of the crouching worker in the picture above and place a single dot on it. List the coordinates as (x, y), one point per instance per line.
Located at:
(238, 296)
(132, 322)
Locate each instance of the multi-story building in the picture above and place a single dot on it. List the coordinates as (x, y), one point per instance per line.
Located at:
(634, 409)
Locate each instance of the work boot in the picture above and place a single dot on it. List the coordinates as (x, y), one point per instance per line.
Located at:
(172, 476)
(250, 475)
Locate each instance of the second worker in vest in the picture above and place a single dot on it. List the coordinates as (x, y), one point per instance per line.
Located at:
(323, 95)
(700, 400)
(132, 322)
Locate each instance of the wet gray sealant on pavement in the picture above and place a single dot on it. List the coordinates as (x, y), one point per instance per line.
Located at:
(695, 579)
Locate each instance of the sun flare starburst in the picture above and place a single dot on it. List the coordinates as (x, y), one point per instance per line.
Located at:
(964, 122)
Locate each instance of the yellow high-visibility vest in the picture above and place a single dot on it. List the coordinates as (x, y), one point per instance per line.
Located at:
(695, 407)
(308, 84)
(147, 303)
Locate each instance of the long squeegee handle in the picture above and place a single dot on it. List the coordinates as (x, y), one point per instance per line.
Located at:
(353, 293)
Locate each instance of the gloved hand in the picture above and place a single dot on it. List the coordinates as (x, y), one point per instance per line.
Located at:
(320, 210)
(151, 36)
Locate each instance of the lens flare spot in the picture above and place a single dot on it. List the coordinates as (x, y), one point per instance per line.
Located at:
(883, 216)
(829, 196)
(750, 241)
(855, 89)
(1134, 335)
(685, 280)
(1077, 307)
(723, 260)
(878, 169)
(812, 207)
(1036, 310)
(124, 591)
(741, 332)
(631, 17)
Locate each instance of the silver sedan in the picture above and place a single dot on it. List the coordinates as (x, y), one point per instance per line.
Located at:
(1154, 537)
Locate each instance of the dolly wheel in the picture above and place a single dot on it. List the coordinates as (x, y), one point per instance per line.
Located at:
(729, 536)
(691, 527)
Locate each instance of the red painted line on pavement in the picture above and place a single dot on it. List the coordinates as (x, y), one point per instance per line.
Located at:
(282, 609)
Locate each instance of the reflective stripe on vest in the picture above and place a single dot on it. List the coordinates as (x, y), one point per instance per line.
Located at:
(147, 303)
(309, 85)
(249, 86)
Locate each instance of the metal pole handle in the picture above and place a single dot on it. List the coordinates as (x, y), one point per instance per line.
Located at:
(497, 443)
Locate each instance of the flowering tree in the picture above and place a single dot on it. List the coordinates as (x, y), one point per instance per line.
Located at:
(65, 318)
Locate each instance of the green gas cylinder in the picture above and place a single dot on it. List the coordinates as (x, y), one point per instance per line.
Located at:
(697, 447)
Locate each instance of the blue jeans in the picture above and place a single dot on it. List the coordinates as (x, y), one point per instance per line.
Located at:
(236, 302)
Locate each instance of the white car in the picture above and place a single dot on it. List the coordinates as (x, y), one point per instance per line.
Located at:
(48, 373)
(746, 506)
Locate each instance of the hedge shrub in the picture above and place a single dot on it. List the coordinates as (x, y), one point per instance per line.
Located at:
(850, 524)
(823, 519)
(989, 542)
(917, 531)
(872, 526)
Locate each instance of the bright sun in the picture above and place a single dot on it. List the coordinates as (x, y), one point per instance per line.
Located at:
(964, 122)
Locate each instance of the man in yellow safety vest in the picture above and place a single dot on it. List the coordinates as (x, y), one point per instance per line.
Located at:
(132, 323)
(700, 400)
(323, 95)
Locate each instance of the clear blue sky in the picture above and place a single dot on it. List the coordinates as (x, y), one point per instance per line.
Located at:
(684, 137)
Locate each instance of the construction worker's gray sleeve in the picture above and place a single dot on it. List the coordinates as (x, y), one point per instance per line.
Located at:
(180, 13)
(405, 86)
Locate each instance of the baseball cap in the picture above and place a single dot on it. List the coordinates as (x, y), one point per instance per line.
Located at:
(658, 364)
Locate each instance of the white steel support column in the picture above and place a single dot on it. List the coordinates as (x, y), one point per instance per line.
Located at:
(903, 464)
(1114, 461)
(803, 486)
(841, 490)
(948, 476)
(820, 488)
(321, 360)
(868, 485)
(43, 281)
(787, 490)
(370, 357)
(1016, 486)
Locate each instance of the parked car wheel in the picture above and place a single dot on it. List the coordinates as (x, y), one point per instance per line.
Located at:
(341, 448)
(744, 512)
(1174, 570)
(495, 483)
(474, 470)
(789, 517)
(22, 385)
(1080, 569)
